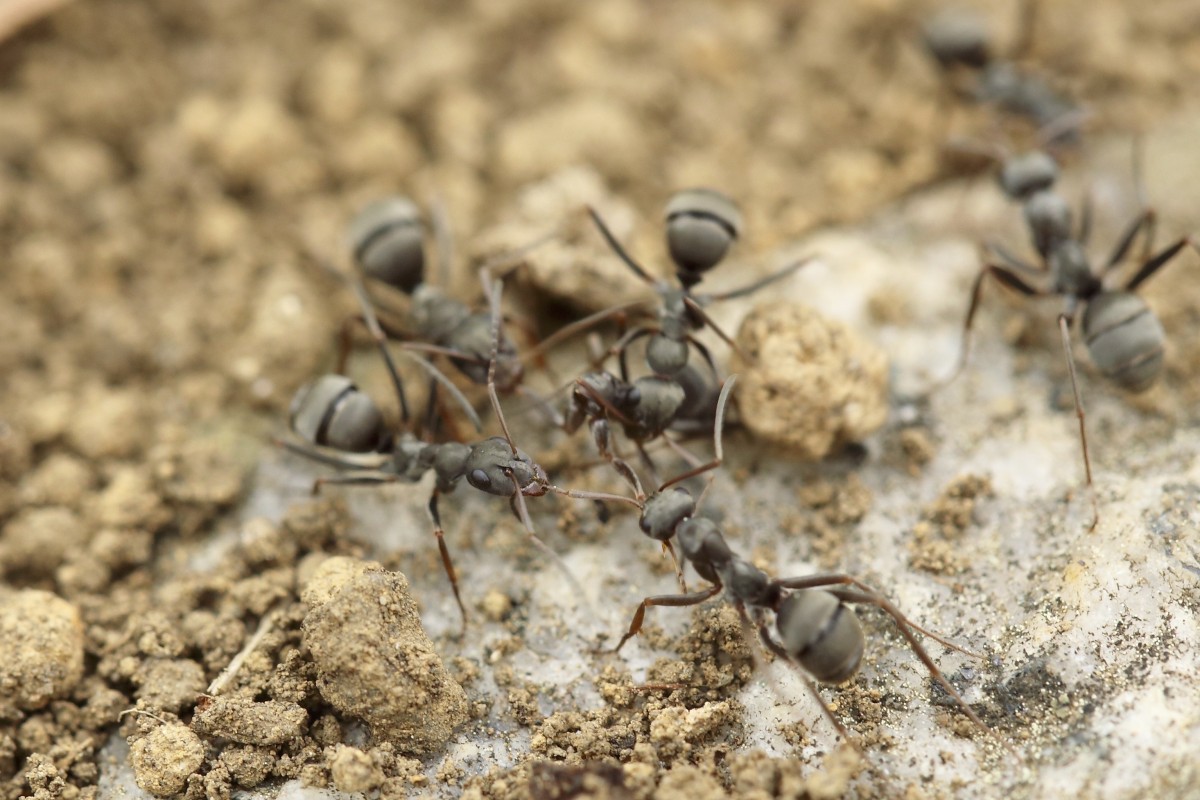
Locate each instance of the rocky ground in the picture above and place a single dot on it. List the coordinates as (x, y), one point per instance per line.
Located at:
(177, 616)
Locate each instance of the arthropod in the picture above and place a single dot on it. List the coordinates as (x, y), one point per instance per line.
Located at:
(959, 42)
(387, 242)
(342, 427)
(1123, 336)
(701, 226)
(807, 621)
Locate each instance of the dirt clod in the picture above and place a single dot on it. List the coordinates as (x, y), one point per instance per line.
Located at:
(165, 758)
(41, 639)
(808, 383)
(373, 659)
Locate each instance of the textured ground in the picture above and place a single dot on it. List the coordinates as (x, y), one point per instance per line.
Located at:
(169, 173)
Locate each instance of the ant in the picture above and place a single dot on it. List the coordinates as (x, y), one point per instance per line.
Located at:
(701, 226)
(958, 41)
(342, 427)
(1123, 336)
(815, 627)
(386, 239)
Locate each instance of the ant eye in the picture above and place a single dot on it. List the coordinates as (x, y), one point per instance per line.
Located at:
(480, 478)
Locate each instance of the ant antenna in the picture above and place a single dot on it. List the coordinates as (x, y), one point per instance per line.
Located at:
(617, 248)
(377, 334)
(718, 429)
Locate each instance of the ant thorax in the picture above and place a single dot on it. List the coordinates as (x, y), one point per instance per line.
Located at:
(435, 313)
(1072, 273)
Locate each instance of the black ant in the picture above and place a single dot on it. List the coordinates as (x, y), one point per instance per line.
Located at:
(814, 625)
(959, 42)
(1123, 336)
(342, 427)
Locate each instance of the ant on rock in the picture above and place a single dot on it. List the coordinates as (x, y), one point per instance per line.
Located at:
(342, 427)
(815, 627)
(1123, 336)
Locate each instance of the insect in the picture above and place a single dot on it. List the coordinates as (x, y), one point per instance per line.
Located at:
(814, 624)
(958, 41)
(661, 511)
(1123, 336)
(342, 427)
(701, 226)
(387, 241)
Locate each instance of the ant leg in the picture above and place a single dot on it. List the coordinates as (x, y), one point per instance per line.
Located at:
(1155, 263)
(371, 462)
(1012, 260)
(517, 501)
(579, 326)
(718, 429)
(1142, 221)
(493, 292)
(443, 237)
(369, 319)
(669, 549)
(648, 462)
(699, 311)
(542, 404)
(602, 436)
(1064, 326)
(670, 600)
(1085, 218)
(621, 347)
(446, 383)
(447, 562)
(762, 283)
(353, 479)
(1006, 277)
(616, 247)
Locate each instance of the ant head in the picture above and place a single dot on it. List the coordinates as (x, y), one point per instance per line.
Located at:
(492, 467)
(1023, 175)
(386, 239)
(664, 511)
(955, 37)
(332, 412)
(821, 633)
(701, 226)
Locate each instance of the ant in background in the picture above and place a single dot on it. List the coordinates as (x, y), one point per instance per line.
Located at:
(958, 41)
(1123, 336)
(342, 427)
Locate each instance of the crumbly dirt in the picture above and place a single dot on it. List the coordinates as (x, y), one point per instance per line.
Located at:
(808, 384)
(171, 175)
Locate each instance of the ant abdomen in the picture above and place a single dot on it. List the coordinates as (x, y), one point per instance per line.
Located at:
(386, 238)
(1124, 339)
(702, 224)
(332, 412)
(822, 634)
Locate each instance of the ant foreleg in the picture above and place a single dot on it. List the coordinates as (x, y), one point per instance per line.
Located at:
(669, 600)
(447, 562)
